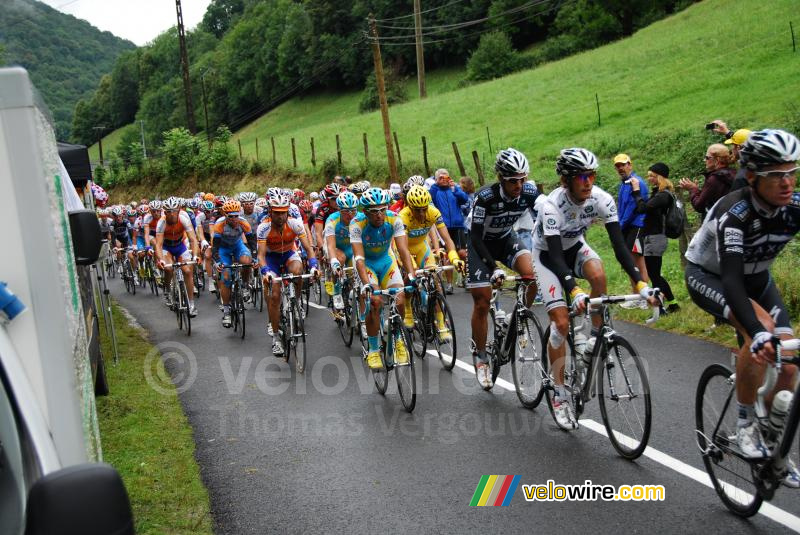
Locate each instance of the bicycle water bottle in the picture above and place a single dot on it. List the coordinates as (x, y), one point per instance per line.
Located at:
(777, 415)
(501, 322)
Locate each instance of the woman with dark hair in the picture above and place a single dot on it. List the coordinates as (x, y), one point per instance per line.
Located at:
(654, 240)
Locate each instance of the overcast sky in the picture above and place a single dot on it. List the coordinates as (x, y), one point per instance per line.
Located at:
(139, 21)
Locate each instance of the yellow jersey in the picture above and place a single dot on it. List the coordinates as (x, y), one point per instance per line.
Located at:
(416, 230)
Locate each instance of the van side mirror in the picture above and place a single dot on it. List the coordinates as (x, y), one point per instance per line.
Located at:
(89, 499)
(86, 236)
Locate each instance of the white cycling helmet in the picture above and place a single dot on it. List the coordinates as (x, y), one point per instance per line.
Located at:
(576, 160)
(511, 163)
(769, 147)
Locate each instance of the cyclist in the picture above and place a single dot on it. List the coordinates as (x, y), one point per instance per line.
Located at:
(277, 253)
(207, 216)
(328, 206)
(728, 271)
(337, 237)
(560, 253)
(497, 207)
(121, 229)
(233, 242)
(371, 235)
(422, 220)
(173, 227)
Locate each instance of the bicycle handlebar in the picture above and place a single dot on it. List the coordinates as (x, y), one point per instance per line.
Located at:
(612, 299)
(180, 264)
(291, 277)
(431, 269)
(393, 291)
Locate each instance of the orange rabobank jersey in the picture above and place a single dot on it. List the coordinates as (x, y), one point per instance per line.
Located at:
(283, 241)
(174, 234)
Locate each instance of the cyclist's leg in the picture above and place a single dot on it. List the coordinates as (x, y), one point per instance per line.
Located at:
(226, 257)
(587, 265)
(557, 311)
(478, 274)
(188, 277)
(517, 256)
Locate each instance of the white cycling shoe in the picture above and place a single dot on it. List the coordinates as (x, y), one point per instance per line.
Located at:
(750, 442)
(564, 415)
(483, 372)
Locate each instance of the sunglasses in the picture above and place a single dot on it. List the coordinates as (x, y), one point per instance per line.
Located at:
(347, 210)
(374, 211)
(707, 157)
(514, 180)
(777, 175)
(586, 177)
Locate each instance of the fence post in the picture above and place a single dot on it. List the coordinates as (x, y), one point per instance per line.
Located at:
(338, 155)
(313, 154)
(274, 160)
(239, 142)
(791, 29)
(256, 148)
(366, 149)
(597, 100)
(489, 137)
(458, 160)
(478, 167)
(294, 155)
(397, 146)
(425, 156)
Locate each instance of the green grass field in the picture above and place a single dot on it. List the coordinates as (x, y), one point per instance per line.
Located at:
(720, 58)
(147, 438)
(110, 143)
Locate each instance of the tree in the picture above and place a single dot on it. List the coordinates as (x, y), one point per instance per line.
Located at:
(221, 15)
(124, 98)
(493, 58)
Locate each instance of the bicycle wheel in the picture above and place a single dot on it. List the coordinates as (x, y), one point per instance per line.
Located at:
(571, 383)
(624, 393)
(419, 334)
(381, 376)
(345, 323)
(176, 302)
(298, 342)
(447, 348)
(185, 307)
(242, 311)
(715, 418)
(305, 297)
(404, 373)
(526, 364)
(316, 290)
(260, 292)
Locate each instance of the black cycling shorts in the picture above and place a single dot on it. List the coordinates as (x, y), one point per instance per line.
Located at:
(505, 250)
(458, 236)
(705, 289)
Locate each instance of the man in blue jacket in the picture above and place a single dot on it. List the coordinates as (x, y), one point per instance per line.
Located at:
(448, 198)
(630, 222)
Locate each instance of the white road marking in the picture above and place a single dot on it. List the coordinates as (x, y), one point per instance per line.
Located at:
(768, 510)
(317, 306)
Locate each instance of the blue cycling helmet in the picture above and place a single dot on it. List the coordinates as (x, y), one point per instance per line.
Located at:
(347, 200)
(375, 197)
(207, 206)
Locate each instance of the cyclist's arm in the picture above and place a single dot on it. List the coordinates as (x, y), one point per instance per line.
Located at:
(304, 241)
(449, 244)
(318, 228)
(262, 253)
(558, 264)
(621, 251)
(476, 234)
(405, 256)
(159, 245)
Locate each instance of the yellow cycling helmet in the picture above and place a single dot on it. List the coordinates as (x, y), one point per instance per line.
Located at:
(418, 197)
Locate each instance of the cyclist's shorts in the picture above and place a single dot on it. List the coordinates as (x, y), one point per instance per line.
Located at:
(549, 283)
(505, 250)
(383, 272)
(705, 289)
(140, 242)
(348, 254)
(179, 252)
(124, 242)
(231, 255)
(277, 261)
(422, 255)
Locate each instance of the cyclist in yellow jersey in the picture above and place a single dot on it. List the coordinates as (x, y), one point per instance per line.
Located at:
(423, 220)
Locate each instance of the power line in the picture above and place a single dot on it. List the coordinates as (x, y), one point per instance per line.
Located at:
(421, 12)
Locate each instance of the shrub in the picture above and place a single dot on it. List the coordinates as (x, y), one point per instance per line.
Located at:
(179, 149)
(395, 91)
(494, 57)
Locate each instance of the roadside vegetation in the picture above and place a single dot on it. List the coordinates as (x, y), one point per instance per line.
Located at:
(147, 438)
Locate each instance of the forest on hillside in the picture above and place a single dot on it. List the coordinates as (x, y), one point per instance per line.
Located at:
(65, 56)
(247, 56)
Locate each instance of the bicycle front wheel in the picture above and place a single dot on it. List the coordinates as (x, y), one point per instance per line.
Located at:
(572, 383)
(526, 364)
(298, 343)
(715, 417)
(419, 334)
(184, 307)
(624, 393)
(242, 310)
(404, 366)
(444, 332)
(345, 323)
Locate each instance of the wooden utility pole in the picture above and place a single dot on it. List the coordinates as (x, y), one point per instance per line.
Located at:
(387, 129)
(100, 130)
(187, 84)
(205, 106)
(420, 55)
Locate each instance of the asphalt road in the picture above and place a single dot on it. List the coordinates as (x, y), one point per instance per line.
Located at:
(324, 452)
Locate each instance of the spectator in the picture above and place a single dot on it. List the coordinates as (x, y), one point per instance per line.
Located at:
(449, 198)
(736, 141)
(654, 241)
(468, 186)
(718, 179)
(630, 221)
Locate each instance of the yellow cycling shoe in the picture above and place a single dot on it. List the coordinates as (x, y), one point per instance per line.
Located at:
(400, 352)
(445, 336)
(374, 360)
(408, 319)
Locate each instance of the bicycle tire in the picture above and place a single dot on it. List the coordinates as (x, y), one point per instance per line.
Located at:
(569, 377)
(448, 351)
(716, 382)
(345, 324)
(405, 374)
(299, 342)
(630, 433)
(419, 334)
(381, 376)
(305, 297)
(526, 363)
(243, 312)
(185, 308)
(176, 302)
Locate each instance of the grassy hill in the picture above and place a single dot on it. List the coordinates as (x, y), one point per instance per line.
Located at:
(65, 56)
(720, 58)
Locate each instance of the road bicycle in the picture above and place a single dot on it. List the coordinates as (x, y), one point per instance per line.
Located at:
(742, 483)
(127, 271)
(392, 331)
(614, 371)
(150, 275)
(199, 275)
(179, 296)
(110, 262)
(516, 338)
(427, 302)
(238, 317)
(292, 322)
(347, 319)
